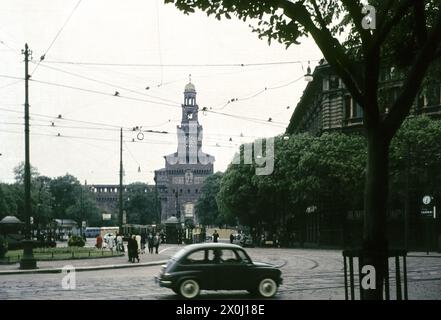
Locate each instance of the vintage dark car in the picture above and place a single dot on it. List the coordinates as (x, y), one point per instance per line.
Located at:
(217, 266)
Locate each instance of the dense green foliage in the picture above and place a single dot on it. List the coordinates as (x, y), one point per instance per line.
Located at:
(207, 209)
(59, 198)
(76, 241)
(316, 171)
(308, 171)
(140, 204)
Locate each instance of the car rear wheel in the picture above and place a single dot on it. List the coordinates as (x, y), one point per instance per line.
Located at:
(189, 288)
(267, 288)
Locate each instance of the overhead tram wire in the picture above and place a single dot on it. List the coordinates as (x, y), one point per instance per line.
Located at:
(107, 140)
(10, 77)
(115, 86)
(18, 79)
(56, 36)
(10, 84)
(277, 124)
(144, 100)
(178, 65)
(208, 137)
(52, 118)
(257, 93)
(103, 93)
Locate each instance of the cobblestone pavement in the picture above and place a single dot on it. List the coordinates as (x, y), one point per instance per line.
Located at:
(307, 274)
(164, 253)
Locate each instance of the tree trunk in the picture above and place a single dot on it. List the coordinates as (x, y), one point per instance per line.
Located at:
(375, 244)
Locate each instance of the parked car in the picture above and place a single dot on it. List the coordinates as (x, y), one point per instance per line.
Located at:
(217, 266)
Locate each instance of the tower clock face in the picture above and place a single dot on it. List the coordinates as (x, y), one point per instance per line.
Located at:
(189, 116)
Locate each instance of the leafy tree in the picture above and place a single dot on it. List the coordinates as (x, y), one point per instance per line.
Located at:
(19, 173)
(141, 204)
(306, 170)
(407, 34)
(207, 209)
(8, 200)
(84, 209)
(415, 167)
(65, 190)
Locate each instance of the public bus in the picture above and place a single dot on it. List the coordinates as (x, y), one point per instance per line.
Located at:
(92, 232)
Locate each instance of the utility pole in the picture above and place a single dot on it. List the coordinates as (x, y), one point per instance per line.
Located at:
(82, 211)
(121, 183)
(407, 203)
(28, 261)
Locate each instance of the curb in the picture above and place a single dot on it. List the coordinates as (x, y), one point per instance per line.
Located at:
(80, 269)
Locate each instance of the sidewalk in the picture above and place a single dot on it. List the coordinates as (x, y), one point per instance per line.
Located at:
(95, 264)
(423, 254)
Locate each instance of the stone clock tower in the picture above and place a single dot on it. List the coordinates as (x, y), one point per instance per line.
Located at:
(179, 184)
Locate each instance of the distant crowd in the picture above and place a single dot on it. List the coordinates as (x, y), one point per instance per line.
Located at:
(136, 244)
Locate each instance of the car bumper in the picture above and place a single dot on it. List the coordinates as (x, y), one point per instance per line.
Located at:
(163, 283)
(280, 281)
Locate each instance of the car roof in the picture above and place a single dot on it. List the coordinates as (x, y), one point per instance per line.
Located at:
(217, 245)
(204, 246)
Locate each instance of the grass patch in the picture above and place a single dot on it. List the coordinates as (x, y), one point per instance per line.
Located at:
(63, 253)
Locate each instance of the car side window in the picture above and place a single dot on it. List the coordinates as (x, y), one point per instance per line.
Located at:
(243, 256)
(229, 256)
(213, 256)
(195, 257)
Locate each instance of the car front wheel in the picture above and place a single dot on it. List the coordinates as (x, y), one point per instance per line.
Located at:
(189, 288)
(267, 288)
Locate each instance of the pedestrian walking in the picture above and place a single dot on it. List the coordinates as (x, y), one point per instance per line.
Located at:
(99, 242)
(231, 238)
(143, 240)
(111, 243)
(156, 242)
(150, 242)
(119, 243)
(215, 236)
(130, 248)
(136, 246)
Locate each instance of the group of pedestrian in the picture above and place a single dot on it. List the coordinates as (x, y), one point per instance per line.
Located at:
(153, 242)
(136, 245)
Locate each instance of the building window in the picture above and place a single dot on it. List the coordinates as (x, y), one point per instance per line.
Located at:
(352, 109)
(433, 95)
(334, 83)
(348, 107)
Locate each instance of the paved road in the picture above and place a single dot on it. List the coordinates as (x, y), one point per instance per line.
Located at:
(308, 274)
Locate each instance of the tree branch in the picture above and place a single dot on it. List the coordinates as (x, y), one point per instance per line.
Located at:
(319, 15)
(355, 11)
(330, 47)
(387, 25)
(410, 89)
(420, 21)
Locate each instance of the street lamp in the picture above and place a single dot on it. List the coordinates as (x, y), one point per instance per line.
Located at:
(308, 75)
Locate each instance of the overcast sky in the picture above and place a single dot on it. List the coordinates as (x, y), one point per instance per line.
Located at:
(171, 46)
